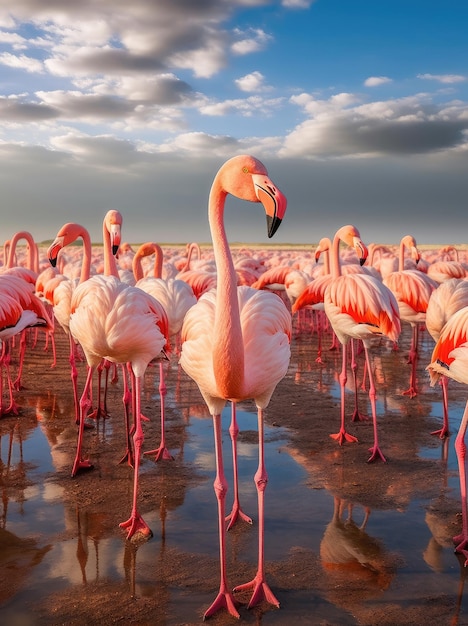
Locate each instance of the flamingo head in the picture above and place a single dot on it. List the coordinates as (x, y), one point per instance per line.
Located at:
(113, 223)
(323, 246)
(409, 242)
(65, 236)
(350, 235)
(247, 178)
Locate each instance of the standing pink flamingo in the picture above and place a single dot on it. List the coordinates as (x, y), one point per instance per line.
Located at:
(450, 358)
(176, 297)
(447, 299)
(63, 291)
(412, 290)
(235, 345)
(359, 306)
(123, 324)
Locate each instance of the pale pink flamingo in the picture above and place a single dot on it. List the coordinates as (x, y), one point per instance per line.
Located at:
(30, 269)
(176, 297)
(125, 325)
(412, 290)
(447, 299)
(359, 306)
(60, 290)
(450, 358)
(235, 345)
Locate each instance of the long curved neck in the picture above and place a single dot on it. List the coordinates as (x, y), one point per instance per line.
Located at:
(158, 261)
(228, 346)
(86, 263)
(32, 263)
(110, 264)
(335, 258)
(401, 257)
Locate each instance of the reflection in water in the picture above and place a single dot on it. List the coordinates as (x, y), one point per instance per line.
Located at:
(352, 558)
(323, 552)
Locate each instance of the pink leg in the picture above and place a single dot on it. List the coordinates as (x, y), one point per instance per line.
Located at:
(85, 403)
(74, 378)
(376, 453)
(341, 436)
(357, 416)
(236, 509)
(413, 359)
(261, 590)
(444, 431)
(22, 351)
(224, 599)
(162, 452)
(128, 457)
(135, 523)
(461, 541)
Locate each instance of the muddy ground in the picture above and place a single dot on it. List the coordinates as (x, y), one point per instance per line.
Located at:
(302, 405)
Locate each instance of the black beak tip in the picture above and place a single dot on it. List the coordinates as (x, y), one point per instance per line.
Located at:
(362, 261)
(53, 262)
(115, 249)
(273, 224)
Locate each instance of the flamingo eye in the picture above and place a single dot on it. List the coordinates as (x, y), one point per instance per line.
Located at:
(245, 170)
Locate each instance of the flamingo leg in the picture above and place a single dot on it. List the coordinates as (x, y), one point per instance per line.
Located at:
(261, 590)
(413, 359)
(224, 599)
(128, 457)
(236, 511)
(376, 452)
(341, 436)
(74, 378)
(357, 415)
(162, 452)
(444, 431)
(85, 403)
(461, 541)
(135, 525)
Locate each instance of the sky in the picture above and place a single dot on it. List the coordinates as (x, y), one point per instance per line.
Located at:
(359, 111)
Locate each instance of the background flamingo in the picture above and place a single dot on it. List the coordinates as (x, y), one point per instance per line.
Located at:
(359, 307)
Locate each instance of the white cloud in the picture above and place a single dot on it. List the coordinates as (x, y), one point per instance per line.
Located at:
(447, 79)
(251, 41)
(342, 127)
(255, 81)
(21, 62)
(376, 81)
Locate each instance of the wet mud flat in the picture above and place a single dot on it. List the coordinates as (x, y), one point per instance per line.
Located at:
(347, 542)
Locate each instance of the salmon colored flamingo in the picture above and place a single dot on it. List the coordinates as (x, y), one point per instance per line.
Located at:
(447, 299)
(14, 319)
(359, 306)
(125, 325)
(412, 290)
(176, 297)
(450, 358)
(30, 271)
(235, 345)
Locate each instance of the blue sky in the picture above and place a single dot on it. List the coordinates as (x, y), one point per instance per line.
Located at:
(359, 110)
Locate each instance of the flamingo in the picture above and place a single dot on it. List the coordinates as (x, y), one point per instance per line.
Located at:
(412, 289)
(450, 358)
(449, 297)
(359, 306)
(176, 297)
(236, 345)
(125, 325)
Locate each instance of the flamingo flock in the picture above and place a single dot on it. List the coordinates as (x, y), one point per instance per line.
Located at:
(228, 319)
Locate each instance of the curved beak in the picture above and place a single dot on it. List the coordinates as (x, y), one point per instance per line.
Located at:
(115, 237)
(54, 249)
(273, 200)
(361, 250)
